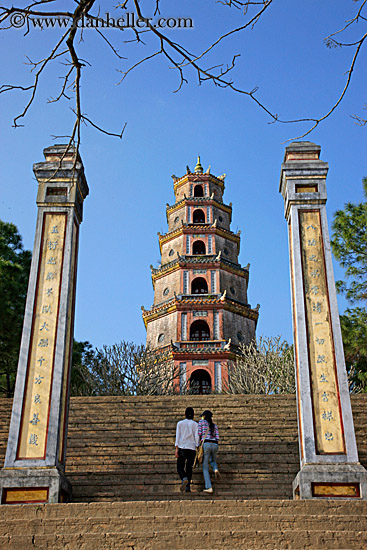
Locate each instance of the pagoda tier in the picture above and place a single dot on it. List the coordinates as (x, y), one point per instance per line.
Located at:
(200, 308)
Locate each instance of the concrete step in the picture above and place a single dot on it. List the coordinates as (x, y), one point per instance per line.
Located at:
(216, 524)
(254, 539)
(183, 507)
(204, 524)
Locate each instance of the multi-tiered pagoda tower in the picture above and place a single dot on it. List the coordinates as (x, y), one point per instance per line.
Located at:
(200, 309)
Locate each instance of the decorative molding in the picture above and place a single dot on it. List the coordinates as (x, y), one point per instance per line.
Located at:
(185, 303)
(211, 261)
(205, 178)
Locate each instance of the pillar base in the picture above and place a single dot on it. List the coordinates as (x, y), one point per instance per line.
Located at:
(34, 485)
(331, 481)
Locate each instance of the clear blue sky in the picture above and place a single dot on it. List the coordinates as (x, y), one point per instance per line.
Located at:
(130, 179)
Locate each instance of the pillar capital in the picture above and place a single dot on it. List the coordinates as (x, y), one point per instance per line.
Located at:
(303, 176)
(61, 179)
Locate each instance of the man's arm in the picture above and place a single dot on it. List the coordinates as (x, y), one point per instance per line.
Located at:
(196, 435)
(177, 439)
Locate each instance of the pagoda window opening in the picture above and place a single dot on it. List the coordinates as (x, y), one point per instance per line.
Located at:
(199, 331)
(198, 216)
(198, 247)
(199, 286)
(200, 382)
(198, 191)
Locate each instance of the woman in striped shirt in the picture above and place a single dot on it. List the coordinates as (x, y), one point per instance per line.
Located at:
(209, 435)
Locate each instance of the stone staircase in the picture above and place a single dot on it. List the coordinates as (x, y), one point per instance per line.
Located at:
(120, 461)
(199, 525)
(123, 448)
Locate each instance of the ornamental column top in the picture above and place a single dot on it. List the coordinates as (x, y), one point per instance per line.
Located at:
(303, 175)
(61, 178)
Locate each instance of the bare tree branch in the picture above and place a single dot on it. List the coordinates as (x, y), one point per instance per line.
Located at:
(350, 71)
(125, 73)
(265, 367)
(85, 118)
(177, 55)
(360, 121)
(127, 369)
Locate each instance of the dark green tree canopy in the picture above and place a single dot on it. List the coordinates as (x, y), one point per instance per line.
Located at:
(354, 331)
(83, 355)
(349, 245)
(15, 264)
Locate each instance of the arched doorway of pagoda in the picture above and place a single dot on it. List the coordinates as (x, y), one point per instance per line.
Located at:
(200, 382)
(199, 286)
(199, 331)
(198, 216)
(198, 247)
(198, 191)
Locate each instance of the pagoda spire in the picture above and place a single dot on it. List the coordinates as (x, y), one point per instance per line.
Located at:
(198, 167)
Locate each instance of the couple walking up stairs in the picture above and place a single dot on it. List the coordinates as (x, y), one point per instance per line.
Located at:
(126, 491)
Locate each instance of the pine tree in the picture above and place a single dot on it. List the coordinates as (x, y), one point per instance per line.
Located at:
(15, 264)
(349, 244)
(354, 331)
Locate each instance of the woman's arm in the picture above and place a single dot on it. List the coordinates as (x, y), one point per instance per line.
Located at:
(216, 431)
(200, 429)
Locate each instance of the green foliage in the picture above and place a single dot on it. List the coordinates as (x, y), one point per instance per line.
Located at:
(82, 356)
(15, 264)
(349, 244)
(354, 331)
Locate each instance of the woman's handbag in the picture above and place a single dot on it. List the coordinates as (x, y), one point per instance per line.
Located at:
(200, 451)
(199, 455)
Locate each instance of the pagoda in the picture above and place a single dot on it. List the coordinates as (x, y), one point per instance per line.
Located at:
(200, 311)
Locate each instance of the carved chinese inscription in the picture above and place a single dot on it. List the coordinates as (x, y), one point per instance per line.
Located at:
(33, 437)
(329, 435)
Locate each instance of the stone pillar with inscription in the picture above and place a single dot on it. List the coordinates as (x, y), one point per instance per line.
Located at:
(328, 451)
(35, 456)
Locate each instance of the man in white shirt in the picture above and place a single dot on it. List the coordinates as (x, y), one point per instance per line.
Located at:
(187, 439)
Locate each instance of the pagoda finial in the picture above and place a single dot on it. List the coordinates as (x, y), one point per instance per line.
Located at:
(198, 167)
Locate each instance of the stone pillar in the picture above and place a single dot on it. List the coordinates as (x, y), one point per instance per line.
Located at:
(328, 451)
(35, 456)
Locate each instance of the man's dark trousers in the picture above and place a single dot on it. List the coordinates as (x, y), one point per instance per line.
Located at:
(185, 463)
